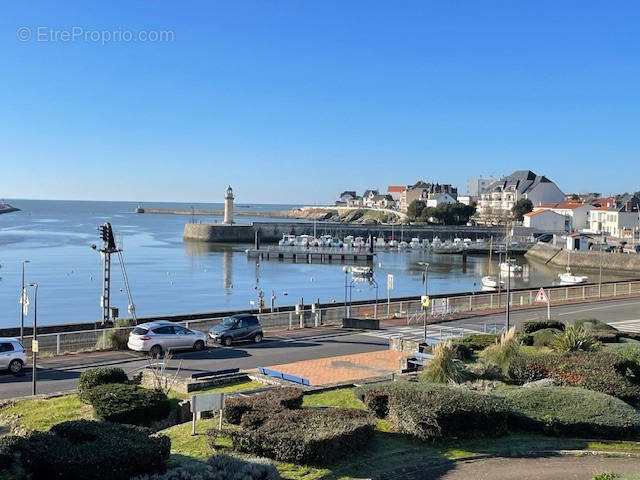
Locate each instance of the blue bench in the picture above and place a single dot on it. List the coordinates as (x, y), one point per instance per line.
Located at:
(283, 376)
(215, 373)
(419, 360)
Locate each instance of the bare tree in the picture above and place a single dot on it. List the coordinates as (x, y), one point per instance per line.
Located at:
(162, 381)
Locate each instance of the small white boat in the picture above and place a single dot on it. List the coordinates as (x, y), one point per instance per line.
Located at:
(380, 243)
(393, 244)
(509, 267)
(348, 241)
(325, 241)
(359, 242)
(287, 240)
(425, 243)
(569, 278)
(415, 243)
(491, 282)
(336, 242)
(403, 245)
(304, 241)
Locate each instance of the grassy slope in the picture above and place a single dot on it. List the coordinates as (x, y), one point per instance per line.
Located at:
(41, 414)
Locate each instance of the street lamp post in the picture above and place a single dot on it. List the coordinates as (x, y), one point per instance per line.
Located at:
(509, 270)
(34, 352)
(424, 320)
(600, 271)
(346, 271)
(22, 300)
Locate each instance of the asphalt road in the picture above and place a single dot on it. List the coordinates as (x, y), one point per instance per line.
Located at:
(61, 373)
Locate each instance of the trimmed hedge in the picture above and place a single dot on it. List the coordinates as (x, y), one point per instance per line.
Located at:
(99, 376)
(85, 449)
(273, 400)
(601, 371)
(545, 337)
(302, 436)
(8, 451)
(535, 325)
(593, 324)
(572, 411)
(431, 411)
(129, 404)
(220, 467)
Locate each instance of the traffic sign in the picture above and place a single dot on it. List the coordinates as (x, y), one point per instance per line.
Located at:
(424, 299)
(34, 346)
(389, 281)
(542, 297)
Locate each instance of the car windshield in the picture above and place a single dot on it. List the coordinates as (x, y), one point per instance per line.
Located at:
(229, 322)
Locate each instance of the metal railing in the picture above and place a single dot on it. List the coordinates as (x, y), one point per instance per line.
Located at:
(442, 308)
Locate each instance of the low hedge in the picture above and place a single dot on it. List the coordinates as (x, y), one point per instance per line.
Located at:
(572, 411)
(593, 324)
(535, 325)
(129, 404)
(85, 449)
(545, 337)
(273, 400)
(220, 467)
(431, 411)
(99, 376)
(301, 436)
(601, 371)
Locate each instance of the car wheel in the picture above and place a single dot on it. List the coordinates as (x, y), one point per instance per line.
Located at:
(257, 338)
(198, 346)
(226, 341)
(156, 351)
(15, 366)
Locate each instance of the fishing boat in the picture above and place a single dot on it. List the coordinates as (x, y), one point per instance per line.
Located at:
(393, 243)
(348, 241)
(509, 267)
(403, 245)
(336, 242)
(415, 243)
(380, 243)
(359, 242)
(568, 278)
(287, 240)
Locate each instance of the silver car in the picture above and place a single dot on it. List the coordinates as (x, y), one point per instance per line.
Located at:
(160, 337)
(12, 355)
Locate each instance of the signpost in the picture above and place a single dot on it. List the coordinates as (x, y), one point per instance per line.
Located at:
(542, 297)
(207, 402)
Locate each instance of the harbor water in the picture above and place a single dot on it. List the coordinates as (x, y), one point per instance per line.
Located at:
(168, 275)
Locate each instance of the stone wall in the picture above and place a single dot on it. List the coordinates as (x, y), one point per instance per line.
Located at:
(619, 262)
(271, 232)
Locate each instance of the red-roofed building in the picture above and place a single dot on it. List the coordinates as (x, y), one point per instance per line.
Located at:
(576, 214)
(396, 191)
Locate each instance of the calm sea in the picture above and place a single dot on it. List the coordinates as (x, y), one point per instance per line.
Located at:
(168, 275)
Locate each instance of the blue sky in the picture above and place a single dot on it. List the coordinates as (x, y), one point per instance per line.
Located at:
(293, 102)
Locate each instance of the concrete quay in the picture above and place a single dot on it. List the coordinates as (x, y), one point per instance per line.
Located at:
(558, 257)
(272, 232)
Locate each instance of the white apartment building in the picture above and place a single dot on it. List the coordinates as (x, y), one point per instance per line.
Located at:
(499, 198)
(576, 214)
(438, 199)
(613, 222)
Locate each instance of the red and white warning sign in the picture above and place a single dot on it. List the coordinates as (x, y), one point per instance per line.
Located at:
(541, 297)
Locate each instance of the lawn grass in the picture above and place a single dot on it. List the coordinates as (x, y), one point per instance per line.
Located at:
(241, 386)
(341, 397)
(42, 414)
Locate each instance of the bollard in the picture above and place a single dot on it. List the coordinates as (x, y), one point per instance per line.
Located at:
(290, 320)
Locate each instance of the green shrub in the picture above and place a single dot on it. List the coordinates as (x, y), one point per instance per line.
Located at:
(606, 336)
(444, 367)
(116, 339)
(525, 338)
(572, 411)
(302, 436)
(275, 399)
(477, 341)
(601, 371)
(8, 450)
(430, 411)
(535, 325)
(99, 376)
(129, 404)
(575, 338)
(545, 337)
(86, 449)
(593, 324)
(220, 467)
(503, 352)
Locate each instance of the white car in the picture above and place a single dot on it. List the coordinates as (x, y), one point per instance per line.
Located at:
(160, 337)
(12, 355)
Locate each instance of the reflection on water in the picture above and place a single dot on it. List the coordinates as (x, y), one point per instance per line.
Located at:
(168, 275)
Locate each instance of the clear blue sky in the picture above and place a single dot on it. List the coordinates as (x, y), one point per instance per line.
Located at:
(295, 101)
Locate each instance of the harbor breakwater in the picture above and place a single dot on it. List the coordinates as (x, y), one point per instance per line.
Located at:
(272, 232)
(559, 257)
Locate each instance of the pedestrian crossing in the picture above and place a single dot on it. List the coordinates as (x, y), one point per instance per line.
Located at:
(627, 325)
(417, 333)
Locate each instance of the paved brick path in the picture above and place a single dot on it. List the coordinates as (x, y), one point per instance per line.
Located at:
(326, 371)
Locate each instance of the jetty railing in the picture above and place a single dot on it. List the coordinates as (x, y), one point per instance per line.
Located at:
(441, 309)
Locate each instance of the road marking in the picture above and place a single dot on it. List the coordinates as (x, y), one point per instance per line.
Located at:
(627, 325)
(598, 308)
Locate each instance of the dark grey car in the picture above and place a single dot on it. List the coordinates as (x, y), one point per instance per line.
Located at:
(237, 328)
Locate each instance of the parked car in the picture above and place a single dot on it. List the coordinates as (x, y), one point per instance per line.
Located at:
(237, 328)
(545, 238)
(12, 355)
(160, 337)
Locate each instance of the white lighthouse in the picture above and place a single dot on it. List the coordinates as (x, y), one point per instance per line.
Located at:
(228, 206)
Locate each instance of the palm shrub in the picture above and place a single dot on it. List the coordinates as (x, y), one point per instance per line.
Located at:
(574, 338)
(504, 352)
(444, 367)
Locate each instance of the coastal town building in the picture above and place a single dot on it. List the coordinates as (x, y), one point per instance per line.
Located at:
(383, 201)
(581, 197)
(422, 191)
(545, 220)
(438, 199)
(497, 200)
(396, 191)
(614, 221)
(476, 186)
(576, 214)
(368, 197)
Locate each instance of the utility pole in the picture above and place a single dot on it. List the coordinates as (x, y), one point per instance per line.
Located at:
(509, 267)
(425, 278)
